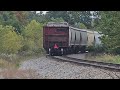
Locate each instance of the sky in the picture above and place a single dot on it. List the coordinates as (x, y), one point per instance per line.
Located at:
(44, 12)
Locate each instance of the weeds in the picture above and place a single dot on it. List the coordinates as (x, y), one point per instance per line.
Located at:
(19, 74)
(105, 58)
(9, 66)
(6, 64)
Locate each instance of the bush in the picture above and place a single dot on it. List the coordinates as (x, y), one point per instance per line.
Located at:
(57, 19)
(96, 49)
(10, 42)
(33, 39)
(109, 26)
(90, 48)
(99, 49)
(80, 25)
(116, 50)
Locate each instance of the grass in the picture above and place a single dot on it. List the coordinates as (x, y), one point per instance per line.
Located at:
(9, 66)
(13, 60)
(19, 74)
(6, 64)
(109, 58)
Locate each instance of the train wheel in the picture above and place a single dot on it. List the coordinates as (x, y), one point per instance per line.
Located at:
(72, 51)
(65, 52)
(76, 49)
(83, 49)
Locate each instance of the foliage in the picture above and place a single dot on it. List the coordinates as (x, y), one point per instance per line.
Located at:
(85, 18)
(32, 15)
(16, 19)
(18, 32)
(109, 25)
(108, 58)
(10, 42)
(57, 19)
(96, 49)
(80, 25)
(32, 36)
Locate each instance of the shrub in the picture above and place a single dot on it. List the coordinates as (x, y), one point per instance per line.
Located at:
(33, 36)
(96, 49)
(10, 42)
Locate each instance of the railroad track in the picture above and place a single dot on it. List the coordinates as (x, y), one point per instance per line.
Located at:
(104, 65)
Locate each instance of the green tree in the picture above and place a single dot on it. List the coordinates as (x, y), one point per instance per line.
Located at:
(57, 19)
(10, 42)
(85, 18)
(32, 15)
(16, 19)
(80, 25)
(109, 25)
(33, 36)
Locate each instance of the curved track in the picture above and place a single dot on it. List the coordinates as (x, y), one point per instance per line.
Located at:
(103, 65)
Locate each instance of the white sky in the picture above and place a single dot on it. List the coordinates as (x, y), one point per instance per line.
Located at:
(44, 12)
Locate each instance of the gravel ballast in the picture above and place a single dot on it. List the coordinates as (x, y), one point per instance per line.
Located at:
(47, 68)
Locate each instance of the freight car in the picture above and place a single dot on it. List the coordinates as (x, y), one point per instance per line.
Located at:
(60, 38)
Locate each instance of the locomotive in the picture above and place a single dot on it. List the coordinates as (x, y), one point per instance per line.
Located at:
(59, 38)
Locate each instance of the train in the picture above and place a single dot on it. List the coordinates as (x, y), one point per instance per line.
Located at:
(59, 38)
